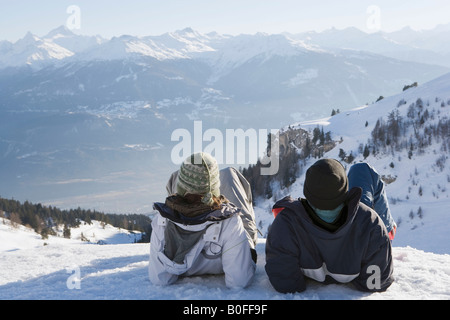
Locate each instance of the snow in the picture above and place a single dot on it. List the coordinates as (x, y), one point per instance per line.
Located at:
(34, 268)
(22, 238)
(119, 272)
(233, 52)
(116, 110)
(31, 50)
(227, 52)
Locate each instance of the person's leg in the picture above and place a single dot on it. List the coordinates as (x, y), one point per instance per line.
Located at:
(374, 193)
(171, 186)
(237, 190)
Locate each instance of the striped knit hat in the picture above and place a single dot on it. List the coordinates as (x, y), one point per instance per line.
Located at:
(199, 174)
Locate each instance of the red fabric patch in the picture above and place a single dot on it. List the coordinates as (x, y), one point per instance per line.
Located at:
(276, 211)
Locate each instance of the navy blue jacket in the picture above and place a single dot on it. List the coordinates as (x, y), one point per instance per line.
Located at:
(358, 252)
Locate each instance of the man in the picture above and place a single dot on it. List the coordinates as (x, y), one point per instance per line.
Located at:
(331, 236)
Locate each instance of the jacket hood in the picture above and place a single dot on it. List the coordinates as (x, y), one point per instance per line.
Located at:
(227, 210)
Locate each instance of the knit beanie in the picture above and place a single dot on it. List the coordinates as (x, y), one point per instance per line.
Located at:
(326, 184)
(199, 174)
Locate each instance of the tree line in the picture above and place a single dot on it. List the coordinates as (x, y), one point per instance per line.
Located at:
(46, 219)
(424, 124)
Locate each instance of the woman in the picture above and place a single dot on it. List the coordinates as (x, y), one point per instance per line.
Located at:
(199, 231)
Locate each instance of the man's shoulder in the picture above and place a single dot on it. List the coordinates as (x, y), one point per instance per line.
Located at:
(289, 211)
(288, 202)
(366, 213)
(366, 218)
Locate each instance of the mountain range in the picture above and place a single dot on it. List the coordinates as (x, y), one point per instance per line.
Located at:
(297, 73)
(62, 43)
(88, 121)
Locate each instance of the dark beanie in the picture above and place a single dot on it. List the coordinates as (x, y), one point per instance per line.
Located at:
(326, 184)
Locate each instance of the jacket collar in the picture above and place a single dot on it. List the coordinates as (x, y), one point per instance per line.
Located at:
(227, 210)
(352, 203)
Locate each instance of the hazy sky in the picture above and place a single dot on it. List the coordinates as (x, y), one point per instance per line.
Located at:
(154, 17)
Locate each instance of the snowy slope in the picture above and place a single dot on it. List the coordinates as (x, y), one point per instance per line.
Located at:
(420, 193)
(120, 272)
(20, 237)
(32, 270)
(37, 269)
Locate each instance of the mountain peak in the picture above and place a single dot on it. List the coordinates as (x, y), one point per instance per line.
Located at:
(188, 33)
(61, 31)
(187, 30)
(29, 38)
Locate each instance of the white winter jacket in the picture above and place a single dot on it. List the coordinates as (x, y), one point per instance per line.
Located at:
(222, 249)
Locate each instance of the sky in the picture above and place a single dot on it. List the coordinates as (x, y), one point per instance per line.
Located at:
(155, 17)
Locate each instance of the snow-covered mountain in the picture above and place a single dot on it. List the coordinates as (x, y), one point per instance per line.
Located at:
(404, 44)
(33, 51)
(304, 75)
(38, 52)
(425, 46)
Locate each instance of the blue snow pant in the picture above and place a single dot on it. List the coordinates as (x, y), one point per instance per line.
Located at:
(374, 193)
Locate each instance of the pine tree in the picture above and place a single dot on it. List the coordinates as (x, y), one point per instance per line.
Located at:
(342, 154)
(420, 213)
(350, 158)
(66, 231)
(366, 151)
